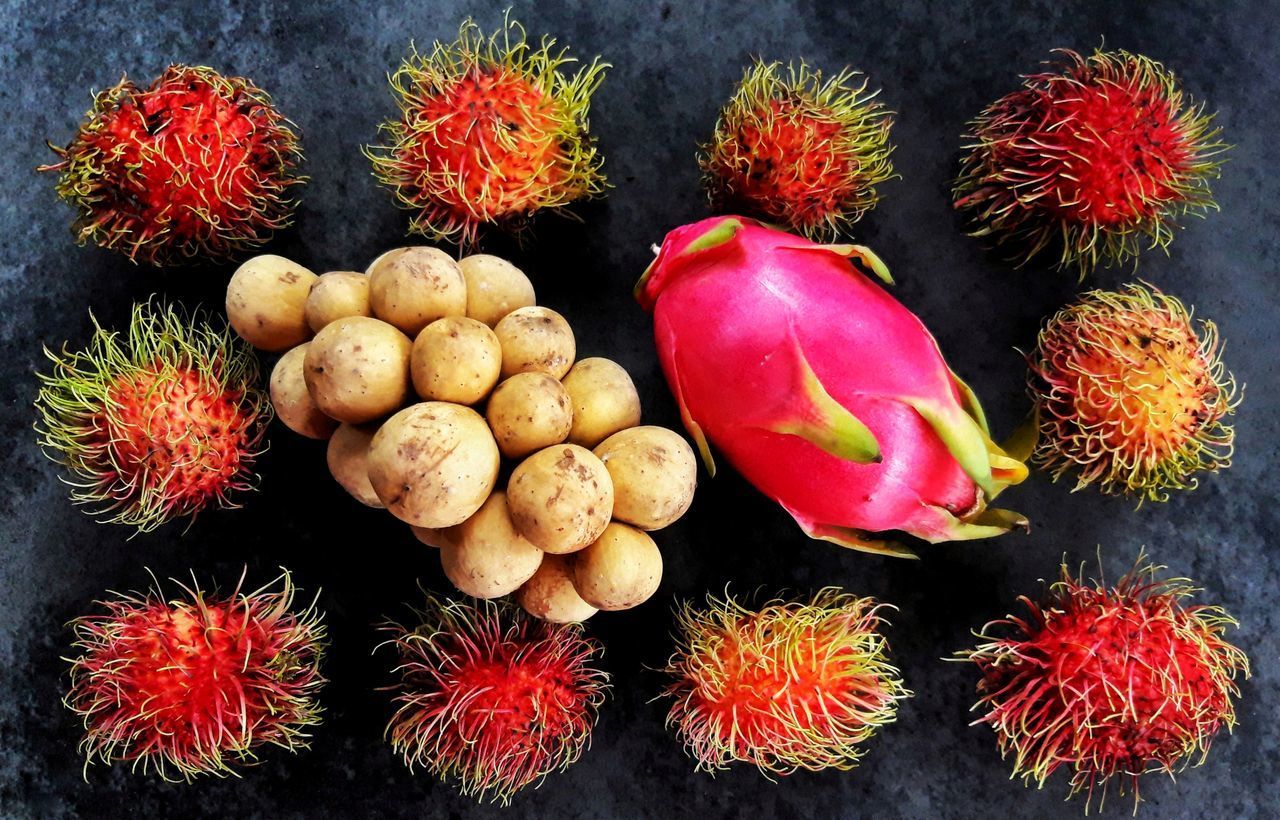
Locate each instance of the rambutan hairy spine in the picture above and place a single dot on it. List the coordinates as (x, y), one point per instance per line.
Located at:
(1109, 682)
(1130, 394)
(490, 697)
(1097, 158)
(492, 130)
(784, 686)
(196, 164)
(196, 684)
(156, 423)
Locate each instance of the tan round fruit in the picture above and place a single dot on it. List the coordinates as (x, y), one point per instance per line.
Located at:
(433, 464)
(348, 458)
(412, 287)
(550, 594)
(357, 369)
(495, 287)
(336, 295)
(484, 556)
(455, 359)
(620, 569)
(527, 412)
(604, 400)
(560, 498)
(292, 402)
(266, 302)
(654, 474)
(433, 537)
(535, 339)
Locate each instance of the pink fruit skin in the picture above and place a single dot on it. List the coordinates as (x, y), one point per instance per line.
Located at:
(738, 311)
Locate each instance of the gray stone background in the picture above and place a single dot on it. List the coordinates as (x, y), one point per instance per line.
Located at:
(674, 64)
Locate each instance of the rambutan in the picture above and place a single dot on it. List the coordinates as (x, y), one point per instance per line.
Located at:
(159, 423)
(492, 697)
(491, 131)
(197, 684)
(1099, 156)
(1108, 682)
(786, 686)
(194, 165)
(1130, 394)
(799, 149)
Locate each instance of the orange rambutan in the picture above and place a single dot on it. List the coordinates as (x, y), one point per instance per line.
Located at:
(1130, 394)
(1096, 159)
(492, 130)
(196, 684)
(159, 423)
(491, 697)
(1108, 682)
(799, 148)
(786, 686)
(194, 165)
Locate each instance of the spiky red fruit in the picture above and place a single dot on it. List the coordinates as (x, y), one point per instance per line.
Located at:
(1130, 394)
(159, 424)
(194, 165)
(491, 131)
(492, 697)
(197, 684)
(799, 149)
(1108, 682)
(1100, 155)
(787, 686)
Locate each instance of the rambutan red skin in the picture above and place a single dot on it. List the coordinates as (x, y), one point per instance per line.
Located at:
(491, 697)
(194, 165)
(195, 685)
(160, 423)
(491, 131)
(1101, 155)
(1108, 682)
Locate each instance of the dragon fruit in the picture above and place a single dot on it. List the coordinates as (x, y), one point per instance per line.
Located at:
(821, 389)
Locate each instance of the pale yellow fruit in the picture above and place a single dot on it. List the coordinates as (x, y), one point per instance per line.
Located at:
(484, 556)
(620, 569)
(527, 412)
(550, 594)
(604, 400)
(292, 401)
(495, 287)
(560, 498)
(348, 459)
(357, 369)
(336, 295)
(535, 339)
(654, 474)
(412, 287)
(433, 464)
(266, 302)
(455, 359)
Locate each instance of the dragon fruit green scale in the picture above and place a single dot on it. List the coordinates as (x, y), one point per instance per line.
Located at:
(821, 389)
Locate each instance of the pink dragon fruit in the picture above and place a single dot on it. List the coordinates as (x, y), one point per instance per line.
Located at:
(821, 389)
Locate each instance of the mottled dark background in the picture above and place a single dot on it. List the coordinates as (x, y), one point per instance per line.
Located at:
(674, 64)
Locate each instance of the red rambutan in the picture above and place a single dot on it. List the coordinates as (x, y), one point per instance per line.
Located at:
(197, 684)
(157, 424)
(1108, 682)
(492, 697)
(1130, 394)
(491, 131)
(194, 165)
(1100, 155)
(787, 686)
(799, 149)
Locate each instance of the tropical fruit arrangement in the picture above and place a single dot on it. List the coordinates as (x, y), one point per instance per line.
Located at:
(448, 397)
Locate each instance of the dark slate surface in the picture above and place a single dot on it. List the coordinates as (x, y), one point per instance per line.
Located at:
(673, 66)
